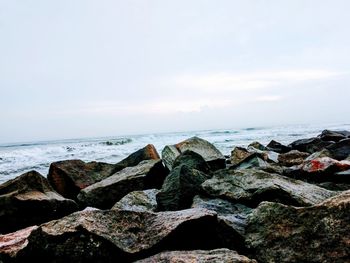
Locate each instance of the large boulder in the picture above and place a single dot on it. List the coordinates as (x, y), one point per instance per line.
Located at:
(222, 255)
(253, 186)
(121, 236)
(70, 176)
(179, 188)
(192, 160)
(291, 158)
(277, 147)
(340, 150)
(309, 145)
(258, 146)
(335, 136)
(239, 154)
(280, 233)
(208, 151)
(104, 194)
(30, 200)
(138, 201)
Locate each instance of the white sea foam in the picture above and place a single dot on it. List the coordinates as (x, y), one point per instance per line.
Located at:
(16, 159)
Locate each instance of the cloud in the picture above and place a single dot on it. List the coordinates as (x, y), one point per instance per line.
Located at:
(268, 98)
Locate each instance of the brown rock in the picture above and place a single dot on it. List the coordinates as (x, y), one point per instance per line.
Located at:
(223, 255)
(239, 154)
(291, 158)
(30, 200)
(279, 233)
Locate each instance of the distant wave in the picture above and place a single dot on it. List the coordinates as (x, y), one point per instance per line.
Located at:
(223, 132)
(117, 142)
(253, 129)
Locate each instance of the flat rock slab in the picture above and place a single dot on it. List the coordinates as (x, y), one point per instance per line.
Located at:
(222, 255)
(121, 236)
(320, 233)
(104, 194)
(138, 201)
(208, 151)
(30, 200)
(253, 186)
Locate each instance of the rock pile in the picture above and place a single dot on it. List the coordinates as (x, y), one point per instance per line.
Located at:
(273, 203)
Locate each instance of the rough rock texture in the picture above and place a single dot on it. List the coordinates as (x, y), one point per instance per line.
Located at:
(278, 147)
(238, 154)
(121, 236)
(222, 255)
(192, 160)
(12, 243)
(279, 233)
(210, 154)
(252, 161)
(254, 186)
(309, 145)
(257, 145)
(29, 200)
(104, 194)
(138, 201)
(322, 153)
(335, 186)
(291, 158)
(340, 150)
(70, 176)
(179, 188)
(334, 136)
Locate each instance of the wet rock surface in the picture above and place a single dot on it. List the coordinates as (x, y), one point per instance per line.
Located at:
(138, 201)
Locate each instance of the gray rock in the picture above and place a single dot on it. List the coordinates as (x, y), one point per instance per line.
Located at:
(257, 145)
(222, 255)
(138, 201)
(30, 200)
(104, 194)
(279, 233)
(192, 160)
(322, 153)
(253, 186)
(340, 150)
(309, 145)
(334, 136)
(208, 151)
(278, 147)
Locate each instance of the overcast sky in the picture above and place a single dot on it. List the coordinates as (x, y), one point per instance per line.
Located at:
(101, 68)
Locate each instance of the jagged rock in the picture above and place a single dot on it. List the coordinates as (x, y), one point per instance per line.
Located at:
(322, 153)
(257, 145)
(252, 161)
(138, 201)
(279, 233)
(29, 200)
(121, 236)
(210, 154)
(340, 150)
(335, 186)
(104, 194)
(321, 169)
(192, 160)
(253, 186)
(278, 147)
(291, 158)
(232, 214)
(70, 176)
(222, 255)
(12, 243)
(309, 145)
(179, 188)
(334, 136)
(239, 154)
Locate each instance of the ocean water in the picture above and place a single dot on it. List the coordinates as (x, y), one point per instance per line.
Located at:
(18, 158)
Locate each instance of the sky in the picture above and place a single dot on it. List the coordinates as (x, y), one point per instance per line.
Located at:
(84, 68)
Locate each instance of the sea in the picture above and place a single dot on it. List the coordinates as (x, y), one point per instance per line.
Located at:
(18, 158)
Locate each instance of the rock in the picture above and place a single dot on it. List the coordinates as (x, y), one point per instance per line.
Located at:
(322, 153)
(340, 150)
(30, 200)
(70, 176)
(121, 236)
(250, 187)
(334, 136)
(239, 154)
(192, 160)
(232, 214)
(252, 161)
(279, 233)
(278, 147)
(321, 170)
(335, 186)
(291, 158)
(310, 145)
(138, 201)
(223, 255)
(104, 194)
(257, 145)
(210, 154)
(12, 243)
(179, 188)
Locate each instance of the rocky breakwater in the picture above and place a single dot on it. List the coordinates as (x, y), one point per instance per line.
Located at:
(273, 203)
